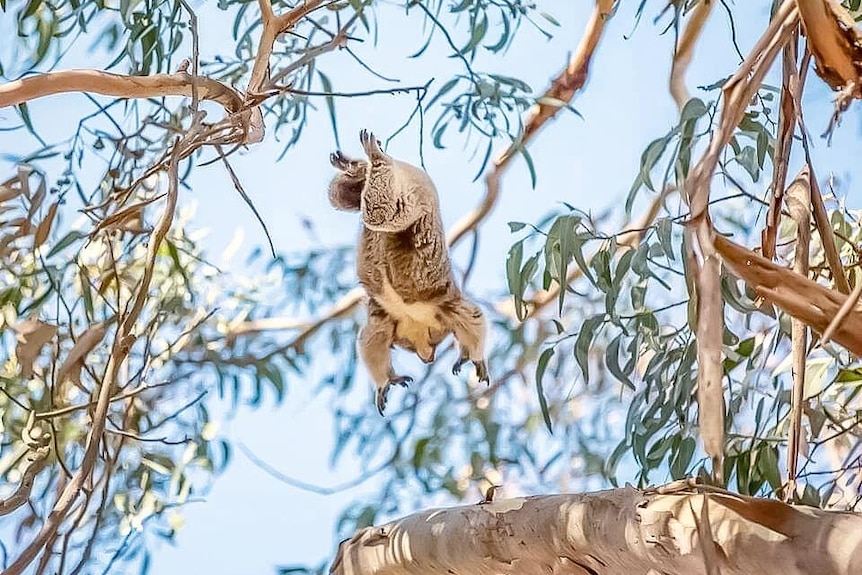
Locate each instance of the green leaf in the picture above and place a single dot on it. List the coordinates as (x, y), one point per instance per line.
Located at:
(541, 366)
(330, 105)
(65, 242)
(516, 226)
(767, 464)
(747, 158)
(612, 361)
(583, 343)
(693, 109)
(513, 268)
(682, 458)
(530, 166)
(664, 229)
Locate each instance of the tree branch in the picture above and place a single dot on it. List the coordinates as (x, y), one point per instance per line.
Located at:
(120, 349)
(614, 532)
(118, 85)
(685, 51)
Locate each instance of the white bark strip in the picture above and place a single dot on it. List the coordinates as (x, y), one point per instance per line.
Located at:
(617, 532)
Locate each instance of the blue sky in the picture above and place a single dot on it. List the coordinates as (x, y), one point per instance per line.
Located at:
(250, 521)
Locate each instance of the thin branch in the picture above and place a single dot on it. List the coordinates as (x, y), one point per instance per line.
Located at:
(787, 113)
(310, 487)
(842, 314)
(35, 463)
(119, 352)
(241, 191)
(119, 397)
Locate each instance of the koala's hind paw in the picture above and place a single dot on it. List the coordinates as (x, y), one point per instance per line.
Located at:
(481, 369)
(370, 144)
(383, 392)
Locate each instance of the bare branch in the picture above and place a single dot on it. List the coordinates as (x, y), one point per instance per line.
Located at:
(800, 297)
(685, 51)
(118, 85)
(35, 463)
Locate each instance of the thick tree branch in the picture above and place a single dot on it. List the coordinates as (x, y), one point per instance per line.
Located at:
(615, 532)
(800, 297)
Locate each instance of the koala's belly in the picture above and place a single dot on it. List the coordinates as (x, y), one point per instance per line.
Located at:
(424, 315)
(416, 323)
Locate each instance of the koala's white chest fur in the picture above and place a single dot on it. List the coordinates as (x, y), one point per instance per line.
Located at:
(416, 322)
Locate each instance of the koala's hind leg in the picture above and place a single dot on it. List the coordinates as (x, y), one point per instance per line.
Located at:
(375, 349)
(468, 325)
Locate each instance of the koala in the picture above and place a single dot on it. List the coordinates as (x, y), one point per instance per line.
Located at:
(403, 264)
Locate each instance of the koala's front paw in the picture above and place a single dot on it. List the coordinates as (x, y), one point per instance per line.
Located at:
(339, 161)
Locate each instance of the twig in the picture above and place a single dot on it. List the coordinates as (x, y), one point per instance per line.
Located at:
(310, 487)
(35, 463)
(241, 191)
(119, 397)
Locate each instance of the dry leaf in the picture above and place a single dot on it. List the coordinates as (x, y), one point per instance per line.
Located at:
(44, 227)
(32, 335)
(834, 41)
(800, 297)
(8, 192)
(71, 367)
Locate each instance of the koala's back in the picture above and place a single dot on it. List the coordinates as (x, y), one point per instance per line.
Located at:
(414, 263)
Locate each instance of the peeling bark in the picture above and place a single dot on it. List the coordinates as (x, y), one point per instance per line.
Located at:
(616, 532)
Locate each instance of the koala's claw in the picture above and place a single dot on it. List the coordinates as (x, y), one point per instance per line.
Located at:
(370, 144)
(481, 369)
(383, 392)
(459, 363)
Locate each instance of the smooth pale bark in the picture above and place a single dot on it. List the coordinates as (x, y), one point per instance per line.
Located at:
(618, 532)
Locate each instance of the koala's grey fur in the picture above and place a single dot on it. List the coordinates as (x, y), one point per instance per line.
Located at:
(403, 263)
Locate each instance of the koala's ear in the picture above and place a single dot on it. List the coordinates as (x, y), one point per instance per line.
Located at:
(345, 193)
